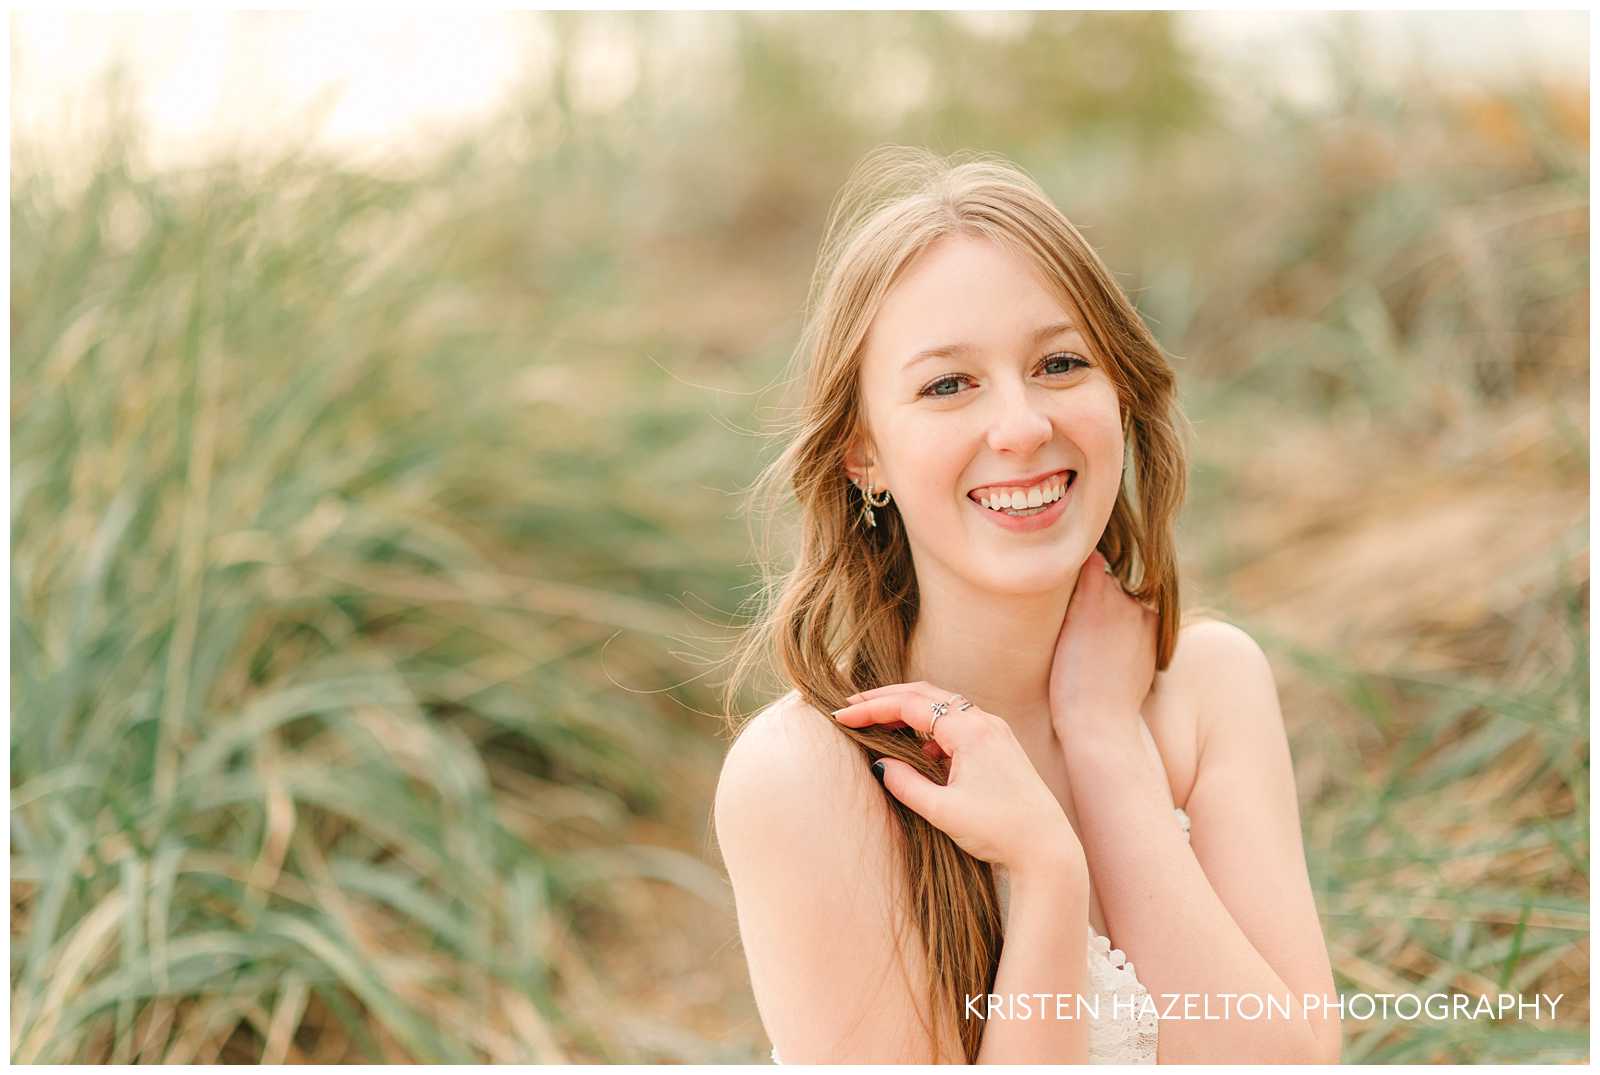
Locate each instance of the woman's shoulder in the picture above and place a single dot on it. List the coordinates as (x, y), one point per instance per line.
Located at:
(1207, 622)
(1207, 646)
(790, 773)
(788, 736)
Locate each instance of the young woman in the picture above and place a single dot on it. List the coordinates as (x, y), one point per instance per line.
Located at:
(1001, 751)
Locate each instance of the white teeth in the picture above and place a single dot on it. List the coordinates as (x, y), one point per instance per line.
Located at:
(1018, 499)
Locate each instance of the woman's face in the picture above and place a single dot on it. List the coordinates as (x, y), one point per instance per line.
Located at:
(1010, 392)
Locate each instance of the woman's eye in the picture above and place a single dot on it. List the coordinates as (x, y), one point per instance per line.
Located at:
(951, 380)
(1067, 363)
(1072, 362)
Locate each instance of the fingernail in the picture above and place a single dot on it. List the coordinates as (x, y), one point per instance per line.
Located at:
(877, 769)
(854, 698)
(836, 712)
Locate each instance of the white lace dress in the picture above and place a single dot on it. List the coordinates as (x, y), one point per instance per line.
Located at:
(1124, 1032)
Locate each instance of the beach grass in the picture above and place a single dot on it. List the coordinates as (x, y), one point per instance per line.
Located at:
(375, 530)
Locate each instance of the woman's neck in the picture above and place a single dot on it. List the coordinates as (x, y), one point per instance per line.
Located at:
(995, 649)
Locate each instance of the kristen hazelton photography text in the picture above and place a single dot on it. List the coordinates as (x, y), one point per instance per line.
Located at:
(1253, 1006)
(386, 407)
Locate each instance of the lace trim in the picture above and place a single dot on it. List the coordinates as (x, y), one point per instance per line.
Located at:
(1127, 1030)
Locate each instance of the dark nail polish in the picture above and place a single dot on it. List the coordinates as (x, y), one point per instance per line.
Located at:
(877, 770)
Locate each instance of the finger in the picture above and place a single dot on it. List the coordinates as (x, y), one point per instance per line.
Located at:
(1097, 559)
(887, 710)
(903, 707)
(916, 710)
(1133, 598)
(878, 692)
(888, 725)
(1111, 578)
(912, 788)
(923, 694)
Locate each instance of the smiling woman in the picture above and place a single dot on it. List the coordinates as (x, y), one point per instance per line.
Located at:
(1011, 432)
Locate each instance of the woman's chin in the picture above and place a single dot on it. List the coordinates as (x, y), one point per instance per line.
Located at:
(1031, 583)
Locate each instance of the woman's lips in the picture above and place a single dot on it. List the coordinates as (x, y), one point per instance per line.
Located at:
(1041, 479)
(1025, 523)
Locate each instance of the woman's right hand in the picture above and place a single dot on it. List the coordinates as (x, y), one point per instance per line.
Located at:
(994, 805)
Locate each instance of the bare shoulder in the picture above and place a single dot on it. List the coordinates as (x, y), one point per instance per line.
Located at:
(1244, 806)
(1223, 669)
(1209, 660)
(1203, 642)
(807, 836)
(789, 775)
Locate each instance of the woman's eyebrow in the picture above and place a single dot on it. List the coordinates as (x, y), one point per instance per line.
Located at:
(950, 350)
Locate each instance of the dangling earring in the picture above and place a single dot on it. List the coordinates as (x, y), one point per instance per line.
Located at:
(868, 503)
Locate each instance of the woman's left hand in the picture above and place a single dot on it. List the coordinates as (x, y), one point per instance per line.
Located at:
(1105, 656)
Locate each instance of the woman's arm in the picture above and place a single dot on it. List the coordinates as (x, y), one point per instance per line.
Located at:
(809, 843)
(1237, 916)
(809, 847)
(1045, 953)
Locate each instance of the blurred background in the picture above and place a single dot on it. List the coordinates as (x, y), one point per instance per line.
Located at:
(381, 402)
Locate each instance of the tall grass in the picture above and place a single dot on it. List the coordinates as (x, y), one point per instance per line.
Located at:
(360, 518)
(315, 552)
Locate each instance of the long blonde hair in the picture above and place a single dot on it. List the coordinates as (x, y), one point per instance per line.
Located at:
(840, 619)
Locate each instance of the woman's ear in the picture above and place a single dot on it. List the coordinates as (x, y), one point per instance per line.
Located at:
(858, 461)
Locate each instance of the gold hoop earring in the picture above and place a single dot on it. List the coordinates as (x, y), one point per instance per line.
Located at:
(868, 503)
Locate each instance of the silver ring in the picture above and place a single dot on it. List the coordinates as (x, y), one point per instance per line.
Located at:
(965, 704)
(939, 710)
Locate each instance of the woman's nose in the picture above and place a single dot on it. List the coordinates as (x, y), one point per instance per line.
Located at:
(1019, 426)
